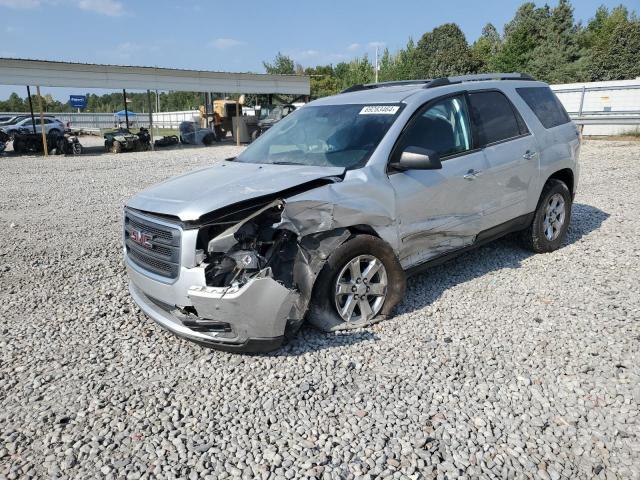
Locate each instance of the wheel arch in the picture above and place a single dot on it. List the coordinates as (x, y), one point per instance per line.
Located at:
(566, 176)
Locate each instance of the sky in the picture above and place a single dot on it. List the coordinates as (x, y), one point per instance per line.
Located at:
(235, 36)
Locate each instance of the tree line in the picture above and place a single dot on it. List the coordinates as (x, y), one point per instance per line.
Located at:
(107, 103)
(545, 42)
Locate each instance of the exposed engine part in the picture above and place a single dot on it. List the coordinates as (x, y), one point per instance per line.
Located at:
(254, 247)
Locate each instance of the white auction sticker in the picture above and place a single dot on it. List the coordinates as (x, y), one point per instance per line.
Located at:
(379, 110)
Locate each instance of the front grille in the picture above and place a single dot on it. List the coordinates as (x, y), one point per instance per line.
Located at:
(154, 247)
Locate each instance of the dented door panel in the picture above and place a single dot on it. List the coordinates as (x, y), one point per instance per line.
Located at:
(440, 210)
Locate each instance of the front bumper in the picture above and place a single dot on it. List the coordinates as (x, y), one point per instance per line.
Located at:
(256, 314)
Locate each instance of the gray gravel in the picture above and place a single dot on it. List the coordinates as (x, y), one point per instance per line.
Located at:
(499, 364)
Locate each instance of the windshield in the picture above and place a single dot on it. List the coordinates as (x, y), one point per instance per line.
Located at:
(330, 136)
(276, 113)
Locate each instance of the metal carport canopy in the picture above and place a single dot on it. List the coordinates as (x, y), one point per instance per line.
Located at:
(14, 71)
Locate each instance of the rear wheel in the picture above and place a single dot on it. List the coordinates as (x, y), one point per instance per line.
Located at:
(18, 146)
(208, 139)
(116, 147)
(551, 219)
(360, 284)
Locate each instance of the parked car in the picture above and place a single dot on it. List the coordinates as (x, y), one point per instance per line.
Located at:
(11, 119)
(52, 125)
(325, 215)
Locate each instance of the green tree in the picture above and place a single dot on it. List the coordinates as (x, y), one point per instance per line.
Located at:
(486, 48)
(355, 72)
(443, 52)
(323, 81)
(612, 44)
(555, 58)
(521, 36)
(15, 104)
(282, 64)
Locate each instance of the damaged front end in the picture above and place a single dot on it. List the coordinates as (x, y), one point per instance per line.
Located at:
(251, 277)
(261, 267)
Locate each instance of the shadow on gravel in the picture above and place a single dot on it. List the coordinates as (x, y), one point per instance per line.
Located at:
(309, 339)
(424, 289)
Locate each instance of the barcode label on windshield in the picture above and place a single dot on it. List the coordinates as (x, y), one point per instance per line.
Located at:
(379, 110)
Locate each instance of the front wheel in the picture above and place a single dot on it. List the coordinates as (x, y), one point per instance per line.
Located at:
(76, 149)
(360, 284)
(551, 218)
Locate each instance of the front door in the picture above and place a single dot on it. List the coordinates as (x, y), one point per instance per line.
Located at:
(440, 210)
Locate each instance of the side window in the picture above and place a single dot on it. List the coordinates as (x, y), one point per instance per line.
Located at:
(443, 127)
(545, 105)
(494, 117)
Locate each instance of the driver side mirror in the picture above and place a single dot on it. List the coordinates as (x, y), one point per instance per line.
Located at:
(417, 158)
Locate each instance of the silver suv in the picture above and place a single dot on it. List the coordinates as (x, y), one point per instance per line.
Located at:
(325, 215)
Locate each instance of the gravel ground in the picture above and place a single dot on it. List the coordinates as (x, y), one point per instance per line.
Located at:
(499, 364)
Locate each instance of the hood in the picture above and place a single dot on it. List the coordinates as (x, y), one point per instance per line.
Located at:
(194, 194)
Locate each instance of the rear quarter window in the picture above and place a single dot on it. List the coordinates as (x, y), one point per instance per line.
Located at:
(545, 105)
(495, 119)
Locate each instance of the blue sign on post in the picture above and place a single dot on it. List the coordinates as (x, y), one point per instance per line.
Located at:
(78, 101)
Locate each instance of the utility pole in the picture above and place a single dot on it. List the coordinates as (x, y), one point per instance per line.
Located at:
(44, 130)
(33, 120)
(126, 111)
(158, 113)
(150, 118)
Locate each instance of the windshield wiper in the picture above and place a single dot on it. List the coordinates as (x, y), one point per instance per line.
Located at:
(286, 163)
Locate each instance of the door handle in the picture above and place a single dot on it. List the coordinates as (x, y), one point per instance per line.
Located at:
(471, 174)
(528, 155)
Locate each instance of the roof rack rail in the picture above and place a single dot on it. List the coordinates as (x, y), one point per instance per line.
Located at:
(481, 77)
(369, 86)
(440, 82)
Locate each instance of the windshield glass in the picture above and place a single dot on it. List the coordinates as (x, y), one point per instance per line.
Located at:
(276, 113)
(330, 135)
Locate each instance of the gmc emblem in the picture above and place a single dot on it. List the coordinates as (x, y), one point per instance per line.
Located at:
(141, 238)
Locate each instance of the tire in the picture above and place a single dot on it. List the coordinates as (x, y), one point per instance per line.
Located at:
(54, 132)
(18, 146)
(77, 149)
(323, 309)
(208, 139)
(183, 141)
(116, 147)
(254, 135)
(544, 236)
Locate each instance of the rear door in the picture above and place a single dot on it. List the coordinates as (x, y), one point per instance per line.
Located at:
(512, 156)
(440, 210)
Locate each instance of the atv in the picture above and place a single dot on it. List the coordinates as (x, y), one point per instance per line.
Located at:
(68, 145)
(122, 140)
